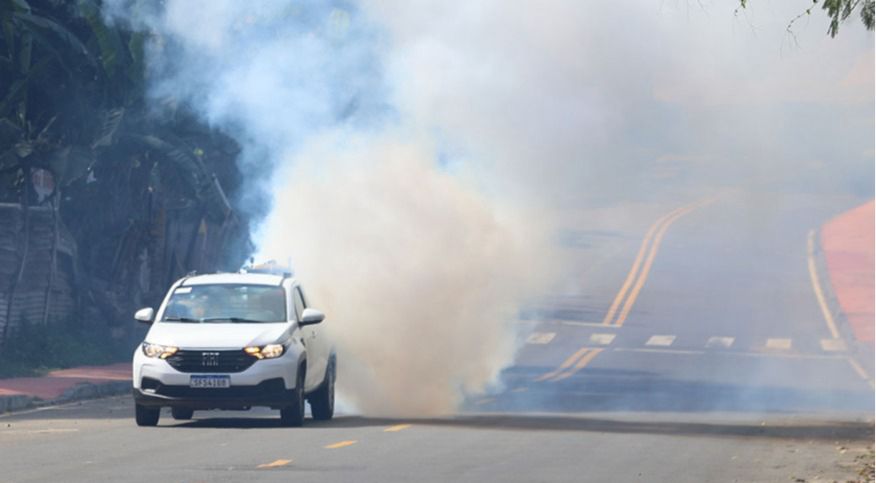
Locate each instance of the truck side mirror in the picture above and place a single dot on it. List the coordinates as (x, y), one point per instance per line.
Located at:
(145, 315)
(310, 317)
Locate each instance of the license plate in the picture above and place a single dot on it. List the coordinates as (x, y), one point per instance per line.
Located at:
(212, 382)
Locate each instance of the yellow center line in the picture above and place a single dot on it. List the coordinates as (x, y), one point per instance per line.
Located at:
(652, 254)
(635, 269)
(567, 363)
(396, 428)
(341, 444)
(580, 365)
(633, 283)
(861, 372)
(275, 464)
(816, 286)
(646, 269)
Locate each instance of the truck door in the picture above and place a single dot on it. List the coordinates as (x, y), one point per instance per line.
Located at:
(314, 341)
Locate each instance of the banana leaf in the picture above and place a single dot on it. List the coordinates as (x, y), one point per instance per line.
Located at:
(112, 118)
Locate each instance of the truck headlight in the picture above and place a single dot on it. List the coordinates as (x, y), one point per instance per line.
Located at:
(158, 350)
(270, 351)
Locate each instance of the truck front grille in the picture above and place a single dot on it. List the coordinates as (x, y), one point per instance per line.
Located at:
(211, 361)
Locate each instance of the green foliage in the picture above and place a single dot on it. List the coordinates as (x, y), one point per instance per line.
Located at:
(838, 11)
(34, 350)
(135, 184)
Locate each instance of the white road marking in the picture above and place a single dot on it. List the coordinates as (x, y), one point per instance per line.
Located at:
(861, 372)
(833, 345)
(602, 339)
(779, 355)
(540, 337)
(778, 344)
(658, 351)
(586, 324)
(724, 342)
(661, 340)
(784, 355)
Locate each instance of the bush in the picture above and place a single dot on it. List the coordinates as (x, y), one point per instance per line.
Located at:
(34, 350)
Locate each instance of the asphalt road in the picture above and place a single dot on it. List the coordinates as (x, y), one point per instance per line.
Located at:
(708, 360)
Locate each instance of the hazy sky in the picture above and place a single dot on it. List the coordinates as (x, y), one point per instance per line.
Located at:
(574, 92)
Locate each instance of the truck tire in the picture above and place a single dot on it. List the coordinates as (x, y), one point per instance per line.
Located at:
(322, 401)
(146, 416)
(293, 415)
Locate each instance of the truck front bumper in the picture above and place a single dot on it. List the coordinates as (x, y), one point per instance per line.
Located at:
(271, 393)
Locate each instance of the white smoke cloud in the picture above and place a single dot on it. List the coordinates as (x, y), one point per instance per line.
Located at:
(581, 99)
(420, 273)
(421, 276)
(419, 154)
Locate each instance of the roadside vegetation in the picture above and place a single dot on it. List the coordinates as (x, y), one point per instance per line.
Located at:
(105, 197)
(34, 350)
(838, 11)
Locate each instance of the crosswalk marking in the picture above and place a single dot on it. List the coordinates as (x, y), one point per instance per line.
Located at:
(712, 342)
(661, 340)
(833, 345)
(724, 342)
(602, 339)
(778, 344)
(540, 337)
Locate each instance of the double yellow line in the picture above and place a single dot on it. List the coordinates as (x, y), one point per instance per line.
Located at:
(642, 265)
(629, 292)
(570, 366)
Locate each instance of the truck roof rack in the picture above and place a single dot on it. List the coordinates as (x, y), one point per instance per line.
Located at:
(270, 267)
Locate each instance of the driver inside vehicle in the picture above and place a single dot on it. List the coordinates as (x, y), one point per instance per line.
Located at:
(193, 307)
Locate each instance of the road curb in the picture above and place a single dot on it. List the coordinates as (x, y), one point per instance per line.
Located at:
(17, 402)
(79, 392)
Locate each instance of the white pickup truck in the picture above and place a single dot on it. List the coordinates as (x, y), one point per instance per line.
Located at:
(234, 341)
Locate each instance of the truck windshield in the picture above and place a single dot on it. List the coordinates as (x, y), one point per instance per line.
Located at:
(226, 303)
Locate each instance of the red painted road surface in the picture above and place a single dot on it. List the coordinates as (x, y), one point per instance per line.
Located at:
(56, 382)
(848, 242)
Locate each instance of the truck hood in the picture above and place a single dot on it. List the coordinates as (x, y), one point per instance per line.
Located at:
(216, 335)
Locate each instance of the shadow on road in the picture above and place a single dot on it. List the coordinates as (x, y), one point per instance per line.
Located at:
(827, 430)
(623, 390)
(785, 430)
(717, 424)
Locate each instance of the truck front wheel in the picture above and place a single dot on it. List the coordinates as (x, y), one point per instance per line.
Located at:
(146, 416)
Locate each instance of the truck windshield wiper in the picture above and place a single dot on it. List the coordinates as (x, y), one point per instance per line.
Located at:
(234, 319)
(179, 319)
